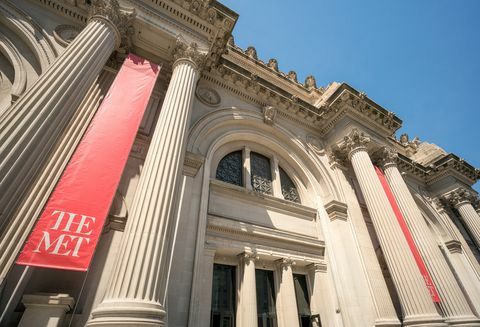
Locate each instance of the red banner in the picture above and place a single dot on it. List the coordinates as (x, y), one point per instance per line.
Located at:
(408, 236)
(67, 231)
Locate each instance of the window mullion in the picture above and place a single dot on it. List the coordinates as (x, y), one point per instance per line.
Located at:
(277, 186)
(247, 181)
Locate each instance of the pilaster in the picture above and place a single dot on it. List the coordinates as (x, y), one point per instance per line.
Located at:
(286, 300)
(246, 291)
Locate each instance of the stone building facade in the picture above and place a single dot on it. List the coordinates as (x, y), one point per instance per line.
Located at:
(249, 198)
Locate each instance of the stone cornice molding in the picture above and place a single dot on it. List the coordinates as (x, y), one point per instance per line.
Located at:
(337, 210)
(110, 12)
(459, 197)
(317, 267)
(188, 52)
(454, 246)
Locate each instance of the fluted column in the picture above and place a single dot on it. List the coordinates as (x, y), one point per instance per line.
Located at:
(246, 291)
(286, 304)
(137, 290)
(417, 306)
(462, 200)
(452, 301)
(31, 126)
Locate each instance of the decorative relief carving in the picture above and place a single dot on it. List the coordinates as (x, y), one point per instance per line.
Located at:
(208, 96)
(64, 34)
(110, 10)
(269, 115)
(248, 256)
(353, 141)
(460, 196)
(285, 263)
(190, 52)
(386, 156)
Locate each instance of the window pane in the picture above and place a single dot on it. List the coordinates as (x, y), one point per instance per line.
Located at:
(266, 311)
(289, 190)
(230, 168)
(261, 173)
(223, 296)
(303, 301)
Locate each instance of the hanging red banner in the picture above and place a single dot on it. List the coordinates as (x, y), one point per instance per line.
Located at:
(406, 232)
(67, 231)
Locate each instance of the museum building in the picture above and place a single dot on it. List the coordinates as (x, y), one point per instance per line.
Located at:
(246, 197)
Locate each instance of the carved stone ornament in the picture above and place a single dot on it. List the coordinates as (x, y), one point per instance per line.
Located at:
(460, 196)
(269, 114)
(64, 34)
(208, 96)
(273, 64)
(315, 144)
(231, 41)
(404, 139)
(248, 256)
(190, 52)
(310, 82)
(353, 141)
(387, 156)
(110, 11)
(251, 52)
(292, 76)
(284, 263)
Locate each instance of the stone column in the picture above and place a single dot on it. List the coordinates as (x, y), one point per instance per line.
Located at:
(46, 310)
(286, 303)
(462, 200)
(137, 291)
(452, 301)
(417, 306)
(32, 125)
(246, 291)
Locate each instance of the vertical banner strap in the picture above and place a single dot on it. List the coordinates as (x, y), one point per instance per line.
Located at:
(408, 236)
(68, 229)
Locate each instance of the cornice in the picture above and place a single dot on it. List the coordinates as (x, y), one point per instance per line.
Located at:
(348, 101)
(245, 232)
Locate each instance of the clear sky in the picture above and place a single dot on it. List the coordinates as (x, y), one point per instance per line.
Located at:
(417, 58)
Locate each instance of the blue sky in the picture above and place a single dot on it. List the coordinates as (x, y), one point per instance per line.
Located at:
(419, 59)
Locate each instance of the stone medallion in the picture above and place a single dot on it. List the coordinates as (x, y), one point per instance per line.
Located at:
(208, 96)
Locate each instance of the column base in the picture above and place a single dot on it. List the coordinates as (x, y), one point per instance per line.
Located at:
(422, 321)
(128, 313)
(387, 323)
(465, 321)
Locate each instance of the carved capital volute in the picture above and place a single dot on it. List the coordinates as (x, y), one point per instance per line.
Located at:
(285, 263)
(121, 22)
(248, 257)
(188, 52)
(353, 142)
(387, 157)
(459, 197)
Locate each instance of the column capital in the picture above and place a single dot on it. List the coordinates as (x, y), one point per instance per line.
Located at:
(248, 256)
(284, 263)
(387, 157)
(355, 141)
(188, 52)
(109, 11)
(459, 196)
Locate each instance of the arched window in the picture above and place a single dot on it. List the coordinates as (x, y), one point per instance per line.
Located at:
(289, 190)
(261, 173)
(230, 168)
